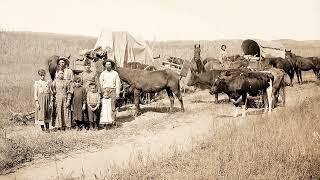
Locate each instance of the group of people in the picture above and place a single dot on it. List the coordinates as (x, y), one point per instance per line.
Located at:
(83, 101)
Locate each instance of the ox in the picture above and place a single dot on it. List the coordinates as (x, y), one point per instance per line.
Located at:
(207, 79)
(152, 81)
(278, 85)
(239, 85)
(145, 97)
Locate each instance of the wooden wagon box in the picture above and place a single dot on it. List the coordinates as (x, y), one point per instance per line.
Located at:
(182, 70)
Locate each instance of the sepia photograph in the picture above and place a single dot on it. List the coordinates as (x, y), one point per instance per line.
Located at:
(159, 89)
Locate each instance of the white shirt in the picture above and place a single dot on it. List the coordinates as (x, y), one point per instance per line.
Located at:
(222, 56)
(110, 80)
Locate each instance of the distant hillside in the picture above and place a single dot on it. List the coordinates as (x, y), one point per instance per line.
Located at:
(184, 49)
(30, 47)
(303, 48)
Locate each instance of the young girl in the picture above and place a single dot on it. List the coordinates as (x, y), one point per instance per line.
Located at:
(43, 99)
(62, 91)
(78, 103)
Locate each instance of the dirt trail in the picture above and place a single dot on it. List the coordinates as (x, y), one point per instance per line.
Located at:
(157, 133)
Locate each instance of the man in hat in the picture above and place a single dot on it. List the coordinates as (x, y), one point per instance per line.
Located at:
(223, 55)
(63, 64)
(88, 76)
(110, 88)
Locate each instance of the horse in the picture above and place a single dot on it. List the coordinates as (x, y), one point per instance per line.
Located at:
(278, 62)
(52, 63)
(152, 81)
(303, 64)
(196, 63)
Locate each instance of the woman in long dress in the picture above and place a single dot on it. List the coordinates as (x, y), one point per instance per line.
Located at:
(62, 90)
(43, 99)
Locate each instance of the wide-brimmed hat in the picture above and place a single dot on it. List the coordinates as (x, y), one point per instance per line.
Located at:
(109, 60)
(65, 59)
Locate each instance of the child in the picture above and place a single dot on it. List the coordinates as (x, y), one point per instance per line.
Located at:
(93, 101)
(43, 99)
(78, 103)
(62, 91)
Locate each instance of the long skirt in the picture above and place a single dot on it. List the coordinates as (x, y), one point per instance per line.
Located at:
(63, 114)
(43, 115)
(108, 111)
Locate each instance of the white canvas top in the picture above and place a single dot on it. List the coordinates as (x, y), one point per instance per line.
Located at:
(263, 48)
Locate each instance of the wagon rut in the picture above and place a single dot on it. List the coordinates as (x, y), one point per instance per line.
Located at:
(155, 133)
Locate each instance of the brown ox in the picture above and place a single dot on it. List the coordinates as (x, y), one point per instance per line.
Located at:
(152, 81)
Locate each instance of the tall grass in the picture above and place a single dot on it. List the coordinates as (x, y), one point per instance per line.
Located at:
(284, 145)
(23, 53)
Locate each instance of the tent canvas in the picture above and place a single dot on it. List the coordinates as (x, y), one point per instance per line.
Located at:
(260, 48)
(125, 47)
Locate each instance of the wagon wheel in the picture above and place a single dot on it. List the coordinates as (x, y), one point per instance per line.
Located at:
(260, 102)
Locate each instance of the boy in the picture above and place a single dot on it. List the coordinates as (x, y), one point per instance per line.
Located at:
(78, 103)
(93, 102)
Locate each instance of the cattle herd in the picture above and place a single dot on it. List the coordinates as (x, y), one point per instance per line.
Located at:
(237, 80)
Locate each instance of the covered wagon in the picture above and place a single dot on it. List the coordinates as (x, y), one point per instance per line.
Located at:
(119, 46)
(256, 50)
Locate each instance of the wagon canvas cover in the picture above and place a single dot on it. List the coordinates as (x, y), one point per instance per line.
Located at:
(125, 47)
(261, 48)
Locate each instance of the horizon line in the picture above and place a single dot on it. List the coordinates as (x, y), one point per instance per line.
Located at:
(91, 36)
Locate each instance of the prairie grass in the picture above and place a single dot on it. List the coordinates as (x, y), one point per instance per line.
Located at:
(23, 53)
(284, 145)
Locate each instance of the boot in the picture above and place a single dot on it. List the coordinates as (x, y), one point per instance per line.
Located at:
(42, 127)
(97, 126)
(47, 126)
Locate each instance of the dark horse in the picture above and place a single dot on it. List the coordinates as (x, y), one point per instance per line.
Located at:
(280, 63)
(303, 64)
(152, 81)
(53, 64)
(196, 63)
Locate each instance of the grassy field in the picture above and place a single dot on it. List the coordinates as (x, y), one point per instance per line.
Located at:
(23, 53)
(285, 145)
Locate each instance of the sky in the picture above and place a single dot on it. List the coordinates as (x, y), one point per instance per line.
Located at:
(168, 19)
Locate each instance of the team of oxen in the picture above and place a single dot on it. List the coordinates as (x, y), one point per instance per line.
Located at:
(236, 79)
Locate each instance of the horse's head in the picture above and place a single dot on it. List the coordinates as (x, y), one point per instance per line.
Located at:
(197, 51)
(290, 56)
(196, 63)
